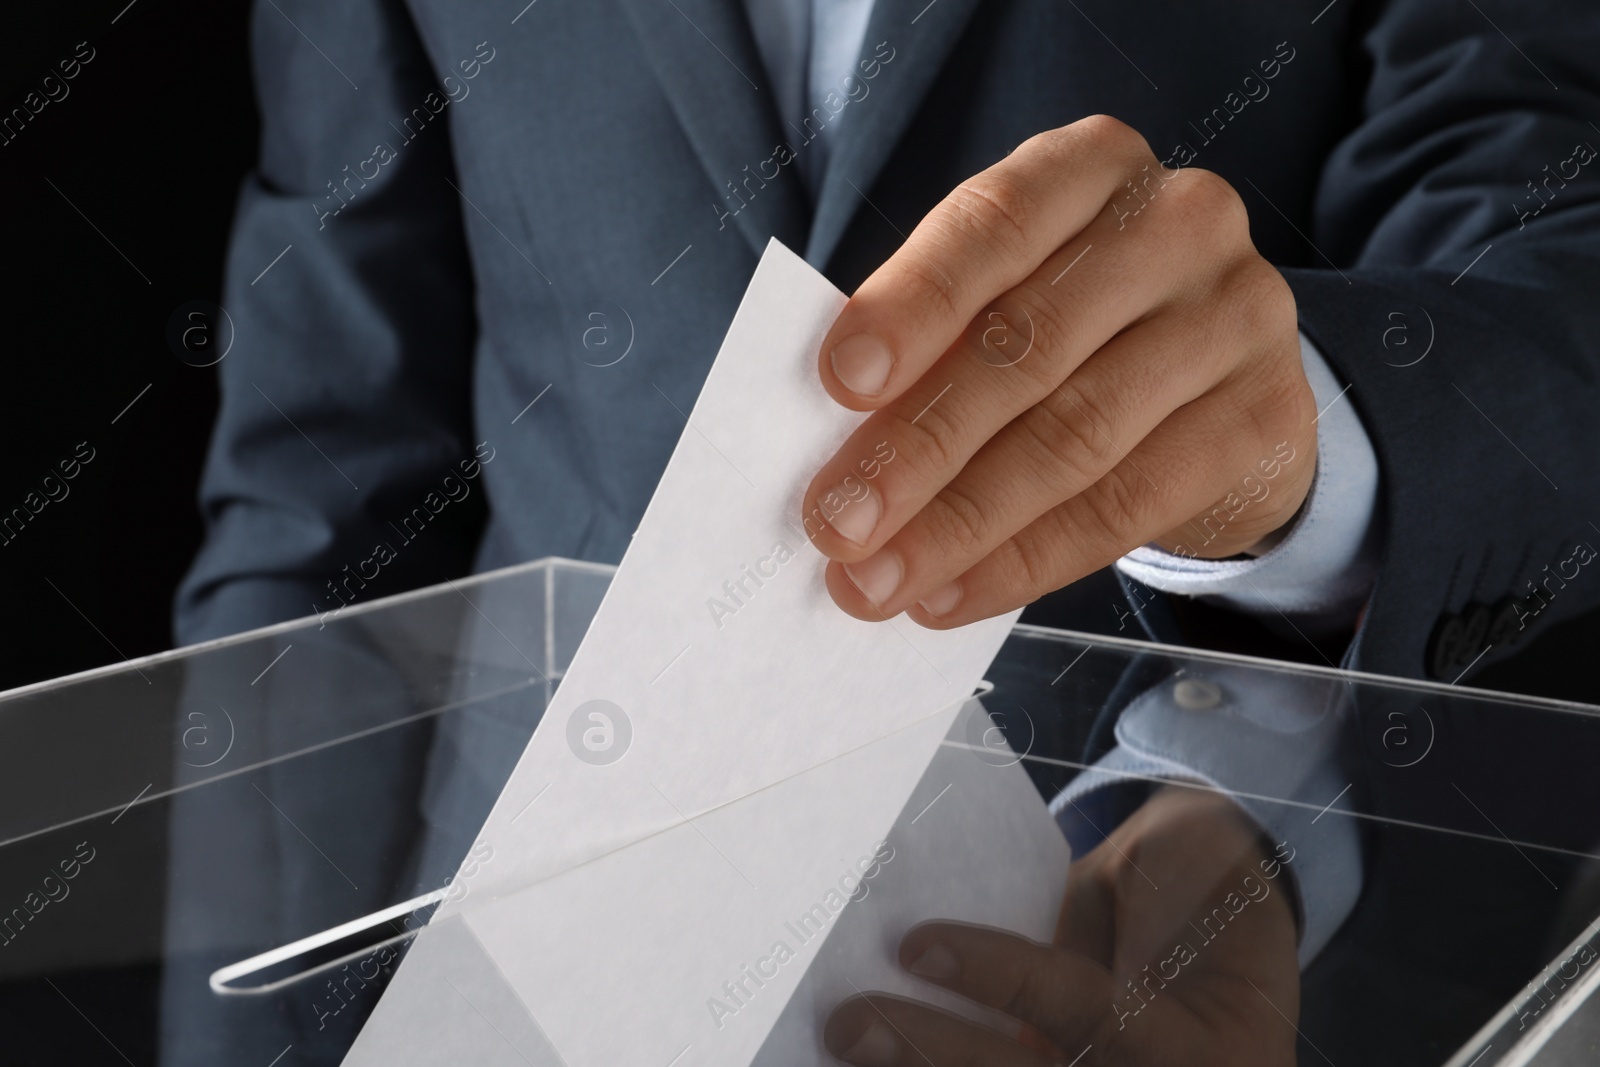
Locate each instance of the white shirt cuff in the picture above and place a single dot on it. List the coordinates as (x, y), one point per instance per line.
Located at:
(1323, 567)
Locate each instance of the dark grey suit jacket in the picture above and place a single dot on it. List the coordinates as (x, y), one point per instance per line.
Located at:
(463, 210)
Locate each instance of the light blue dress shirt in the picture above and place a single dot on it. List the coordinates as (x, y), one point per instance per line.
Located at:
(809, 47)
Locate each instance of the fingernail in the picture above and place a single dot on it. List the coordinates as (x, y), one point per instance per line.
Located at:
(877, 576)
(942, 601)
(876, 1047)
(937, 963)
(857, 516)
(862, 363)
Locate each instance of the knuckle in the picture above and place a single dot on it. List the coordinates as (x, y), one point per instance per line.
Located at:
(1265, 303)
(1027, 330)
(992, 206)
(1054, 139)
(927, 283)
(1052, 327)
(1112, 134)
(929, 435)
(954, 521)
(1287, 406)
(1069, 434)
(1114, 507)
(1209, 203)
(1040, 991)
(1030, 566)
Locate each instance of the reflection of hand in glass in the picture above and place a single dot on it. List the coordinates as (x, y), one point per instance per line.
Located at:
(1176, 945)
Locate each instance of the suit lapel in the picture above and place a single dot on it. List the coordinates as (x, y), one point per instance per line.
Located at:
(704, 55)
(922, 35)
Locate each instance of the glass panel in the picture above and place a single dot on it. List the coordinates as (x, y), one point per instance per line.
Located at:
(222, 854)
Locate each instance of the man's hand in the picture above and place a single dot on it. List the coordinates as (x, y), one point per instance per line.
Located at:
(1075, 353)
(1176, 946)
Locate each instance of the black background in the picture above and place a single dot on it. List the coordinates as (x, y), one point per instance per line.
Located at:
(150, 144)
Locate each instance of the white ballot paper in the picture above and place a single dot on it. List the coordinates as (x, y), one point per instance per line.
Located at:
(727, 753)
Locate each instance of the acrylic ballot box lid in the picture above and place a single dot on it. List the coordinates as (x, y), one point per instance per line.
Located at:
(222, 854)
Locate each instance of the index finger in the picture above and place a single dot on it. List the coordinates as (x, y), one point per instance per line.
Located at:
(994, 230)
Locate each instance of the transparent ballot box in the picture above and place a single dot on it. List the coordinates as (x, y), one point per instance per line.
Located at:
(267, 850)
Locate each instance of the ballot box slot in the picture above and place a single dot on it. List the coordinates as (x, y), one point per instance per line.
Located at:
(326, 950)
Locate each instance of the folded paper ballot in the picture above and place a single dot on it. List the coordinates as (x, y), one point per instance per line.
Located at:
(973, 844)
(662, 953)
(726, 749)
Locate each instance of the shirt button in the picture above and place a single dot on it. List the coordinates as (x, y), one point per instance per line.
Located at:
(1196, 694)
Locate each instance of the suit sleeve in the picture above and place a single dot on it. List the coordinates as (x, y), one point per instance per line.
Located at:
(1461, 216)
(345, 399)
